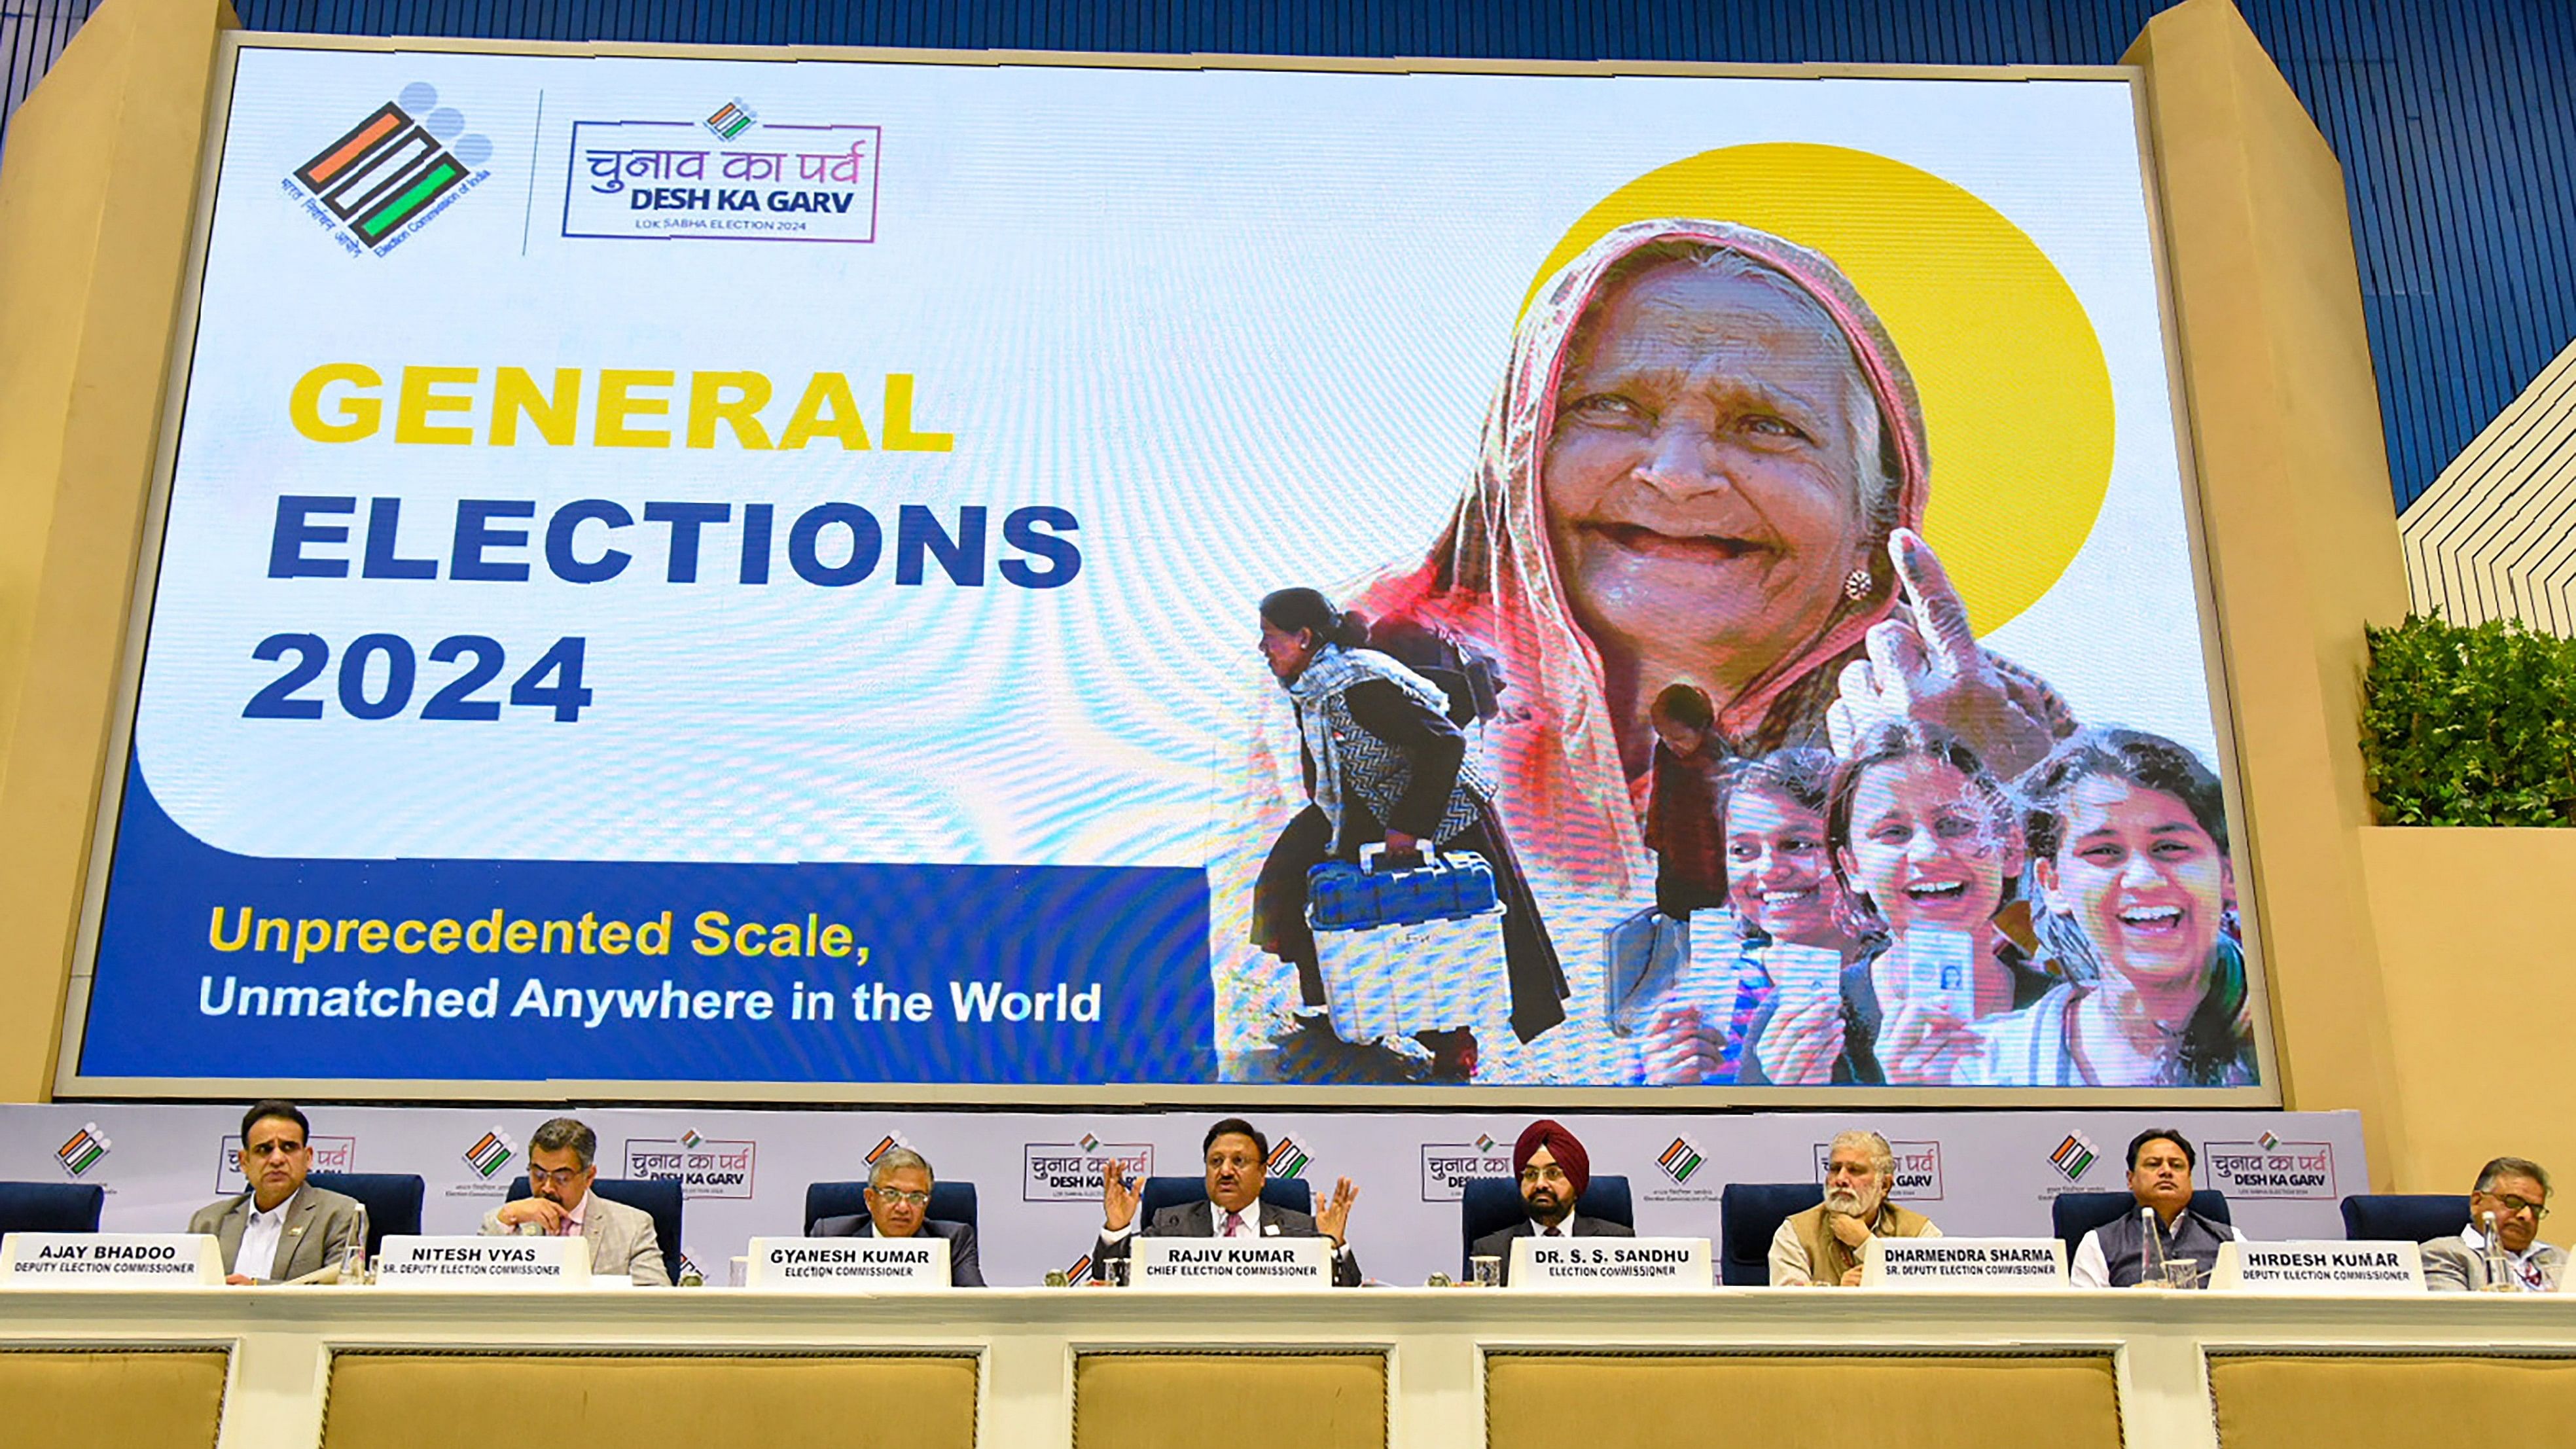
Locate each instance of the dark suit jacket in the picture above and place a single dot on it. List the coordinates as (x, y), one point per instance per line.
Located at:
(1199, 1219)
(965, 1270)
(1498, 1243)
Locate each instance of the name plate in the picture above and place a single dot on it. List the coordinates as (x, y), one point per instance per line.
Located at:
(1232, 1263)
(849, 1265)
(2318, 1267)
(110, 1260)
(1963, 1263)
(1625, 1265)
(477, 1262)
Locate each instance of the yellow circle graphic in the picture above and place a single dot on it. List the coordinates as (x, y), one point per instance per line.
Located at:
(2016, 395)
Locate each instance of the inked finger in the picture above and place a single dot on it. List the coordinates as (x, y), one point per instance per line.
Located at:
(1939, 613)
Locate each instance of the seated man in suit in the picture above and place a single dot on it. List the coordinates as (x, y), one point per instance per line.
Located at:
(2511, 1195)
(1554, 1170)
(2116, 1255)
(1238, 1162)
(283, 1230)
(561, 1165)
(1820, 1248)
(898, 1199)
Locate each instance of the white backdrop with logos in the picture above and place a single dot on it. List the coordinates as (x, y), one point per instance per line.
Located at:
(1037, 1175)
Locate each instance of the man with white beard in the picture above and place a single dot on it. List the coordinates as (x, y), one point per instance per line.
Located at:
(1820, 1248)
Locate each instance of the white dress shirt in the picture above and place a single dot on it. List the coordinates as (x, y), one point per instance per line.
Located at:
(257, 1256)
(2534, 1275)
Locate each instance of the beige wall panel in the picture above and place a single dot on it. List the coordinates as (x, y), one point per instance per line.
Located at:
(2477, 928)
(647, 1401)
(2288, 1401)
(1782, 1401)
(1244, 1400)
(2303, 540)
(131, 1400)
(95, 205)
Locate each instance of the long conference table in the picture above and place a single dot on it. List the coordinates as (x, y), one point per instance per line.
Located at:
(1422, 1368)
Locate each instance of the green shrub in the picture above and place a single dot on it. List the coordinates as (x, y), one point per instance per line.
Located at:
(2470, 726)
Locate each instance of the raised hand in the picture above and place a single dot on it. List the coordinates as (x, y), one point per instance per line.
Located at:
(1801, 1045)
(1118, 1197)
(1681, 1051)
(1334, 1218)
(1924, 1045)
(1928, 666)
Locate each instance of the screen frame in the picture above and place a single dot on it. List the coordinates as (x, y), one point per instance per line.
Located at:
(71, 1084)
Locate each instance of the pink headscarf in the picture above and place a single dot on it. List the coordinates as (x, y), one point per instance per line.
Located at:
(1491, 578)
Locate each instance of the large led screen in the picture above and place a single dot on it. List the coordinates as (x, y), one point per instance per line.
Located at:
(841, 575)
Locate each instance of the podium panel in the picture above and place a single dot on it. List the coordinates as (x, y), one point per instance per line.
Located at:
(2277, 1400)
(1246, 1399)
(1909, 1401)
(646, 1400)
(112, 1396)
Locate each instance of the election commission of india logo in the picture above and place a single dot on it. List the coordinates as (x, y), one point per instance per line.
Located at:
(1287, 1159)
(491, 1152)
(1680, 1160)
(2073, 1156)
(893, 1140)
(393, 172)
(83, 1150)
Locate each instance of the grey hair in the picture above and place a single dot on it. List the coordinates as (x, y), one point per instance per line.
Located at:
(1882, 1157)
(561, 1134)
(895, 1160)
(2512, 1167)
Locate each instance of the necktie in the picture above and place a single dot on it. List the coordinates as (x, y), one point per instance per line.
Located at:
(1553, 1233)
(1234, 1225)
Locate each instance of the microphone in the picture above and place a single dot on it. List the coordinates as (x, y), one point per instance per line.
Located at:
(2147, 1246)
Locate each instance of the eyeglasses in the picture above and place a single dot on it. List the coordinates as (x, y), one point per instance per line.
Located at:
(894, 1195)
(2512, 1204)
(557, 1177)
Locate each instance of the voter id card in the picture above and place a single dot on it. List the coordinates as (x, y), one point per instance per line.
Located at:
(1801, 974)
(1939, 971)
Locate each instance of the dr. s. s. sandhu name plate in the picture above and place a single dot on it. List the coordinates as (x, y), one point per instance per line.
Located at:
(1636, 1265)
(110, 1260)
(1232, 1263)
(474, 1262)
(1963, 1263)
(849, 1265)
(2318, 1267)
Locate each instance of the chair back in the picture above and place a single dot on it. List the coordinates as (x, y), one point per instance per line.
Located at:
(1291, 1193)
(2414, 1217)
(950, 1202)
(659, 1197)
(1748, 1214)
(2073, 1214)
(50, 1207)
(392, 1199)
(1488, 1203)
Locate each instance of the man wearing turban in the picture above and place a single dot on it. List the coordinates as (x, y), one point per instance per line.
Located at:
(1554, 1170)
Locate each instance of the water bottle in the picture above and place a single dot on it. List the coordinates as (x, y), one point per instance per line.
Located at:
(2151, 1250)
(353, 1250)
(2500, 1275)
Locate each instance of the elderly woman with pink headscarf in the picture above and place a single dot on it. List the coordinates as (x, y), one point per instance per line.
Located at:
(1707, 465)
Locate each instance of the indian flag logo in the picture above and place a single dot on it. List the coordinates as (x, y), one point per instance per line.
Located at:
(885, 1144)
(491, 1152)
(83, 1151)
(691, 1140)
(2074, 1155)
(2271, 1141)
(1484, 1142)
(1090, 1142)
(1078, 1269)
(1287, 1159)
(730, 120)
(1680, 1160)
